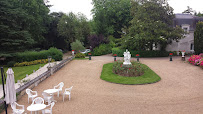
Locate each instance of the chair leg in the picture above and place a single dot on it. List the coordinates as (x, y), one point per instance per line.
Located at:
(63, 97)
(58, 93)
(69, 97)
(28, 100)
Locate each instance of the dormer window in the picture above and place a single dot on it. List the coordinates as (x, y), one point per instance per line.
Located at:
(186, 27)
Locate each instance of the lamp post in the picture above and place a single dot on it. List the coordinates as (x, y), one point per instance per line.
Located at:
(138, 56)
(89, 56)
(3, 77)
(171, 54)
(115, 55)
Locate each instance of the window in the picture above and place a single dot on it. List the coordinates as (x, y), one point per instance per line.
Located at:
(192, 46)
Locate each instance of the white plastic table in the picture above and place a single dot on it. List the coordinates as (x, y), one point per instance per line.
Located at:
(51, 92)
(36, 107)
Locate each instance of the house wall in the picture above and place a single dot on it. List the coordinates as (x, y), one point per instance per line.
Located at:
(183, 44)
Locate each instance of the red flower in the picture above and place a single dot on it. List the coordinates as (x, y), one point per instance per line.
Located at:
(183, 51)
(170, 53)
(137, 55)
(114, 55)
(89, 53)
(72, 50)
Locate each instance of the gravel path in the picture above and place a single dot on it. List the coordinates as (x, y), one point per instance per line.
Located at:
(180, 90)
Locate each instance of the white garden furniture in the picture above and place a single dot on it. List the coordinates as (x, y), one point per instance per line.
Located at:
(38, 100)
(47, 97)
(48, 110)
(67, 92)
(31, 94)
(18, 110)
(59, 87)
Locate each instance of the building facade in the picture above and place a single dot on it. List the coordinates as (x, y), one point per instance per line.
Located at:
(188, 23)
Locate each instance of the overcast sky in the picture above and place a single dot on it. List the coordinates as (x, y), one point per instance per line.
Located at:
(85, 6)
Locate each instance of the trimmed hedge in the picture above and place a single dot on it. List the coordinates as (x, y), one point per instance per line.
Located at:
(33, 55)
(120, 52)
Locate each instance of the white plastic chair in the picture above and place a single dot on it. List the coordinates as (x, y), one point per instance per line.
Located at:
(18, 110)
(67, 92)
(31, 94)
(38, 100)
(48, 110)
(47, 98)
(59, 87)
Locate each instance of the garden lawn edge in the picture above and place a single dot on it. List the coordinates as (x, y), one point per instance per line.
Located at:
(149, 77)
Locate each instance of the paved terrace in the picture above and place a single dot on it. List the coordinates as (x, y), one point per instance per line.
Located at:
(179, 92)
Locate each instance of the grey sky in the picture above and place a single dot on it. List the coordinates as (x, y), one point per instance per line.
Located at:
(85, 6)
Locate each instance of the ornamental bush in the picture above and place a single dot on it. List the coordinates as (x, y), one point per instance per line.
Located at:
(80, 55)
(136, 69)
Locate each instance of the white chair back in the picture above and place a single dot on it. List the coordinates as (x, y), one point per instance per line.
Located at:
(38, 100)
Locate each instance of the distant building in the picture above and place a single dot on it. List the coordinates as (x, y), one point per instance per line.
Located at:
(188, 23)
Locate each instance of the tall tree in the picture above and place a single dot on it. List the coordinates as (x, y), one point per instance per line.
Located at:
(151, 25)
(111, 16)
(13, 36)
(198, 38)
(73, 27)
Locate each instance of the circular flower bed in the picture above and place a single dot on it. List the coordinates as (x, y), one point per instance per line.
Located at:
(134, 70)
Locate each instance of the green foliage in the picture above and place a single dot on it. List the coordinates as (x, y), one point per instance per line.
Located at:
(110, 16)
(149, 53)
(136, 69)
(198, 38)
(33, 55)
(151, 24)
(22, 24)
(80, 55)
(103, 49)
(77, 46)
(148, 77)
(73, 27)
(11, 63)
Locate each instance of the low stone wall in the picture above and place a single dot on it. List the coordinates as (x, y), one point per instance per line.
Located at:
(32, 83)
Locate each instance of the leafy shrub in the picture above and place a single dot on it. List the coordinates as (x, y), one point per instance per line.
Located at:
(80, 55)
(32, 62)
(77, 45)
(153, 53)
(136, 69)
(102, 50)
(34, 55)
(11, 63)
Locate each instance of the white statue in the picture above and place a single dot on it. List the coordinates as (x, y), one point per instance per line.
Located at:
(127, 57)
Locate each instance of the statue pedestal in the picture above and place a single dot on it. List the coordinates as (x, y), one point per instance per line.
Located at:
(127, 63)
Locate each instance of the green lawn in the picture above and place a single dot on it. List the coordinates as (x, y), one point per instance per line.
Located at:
(20, 72)
(148, 77)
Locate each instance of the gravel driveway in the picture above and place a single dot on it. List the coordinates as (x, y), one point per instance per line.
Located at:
(180, 90)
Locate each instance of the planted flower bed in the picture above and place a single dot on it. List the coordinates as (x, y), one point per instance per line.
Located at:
(134, 70)
(196, 60)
